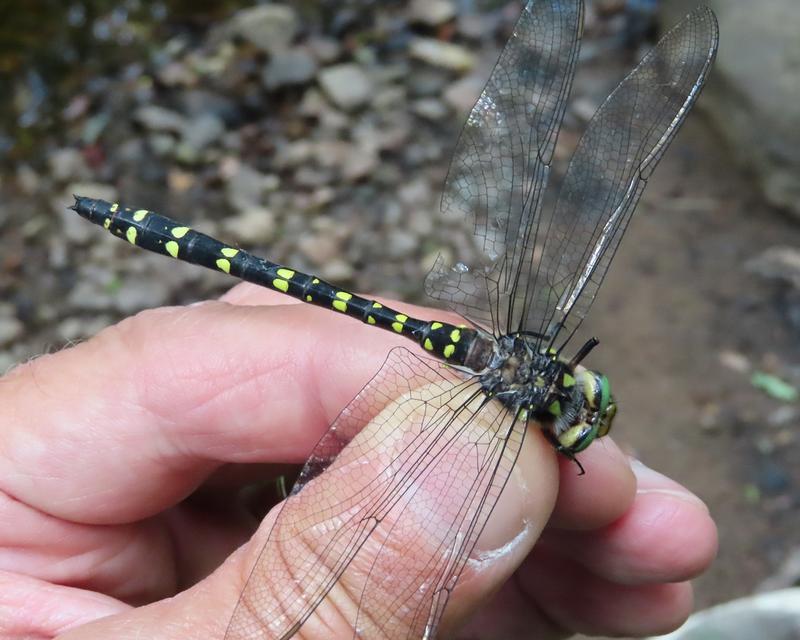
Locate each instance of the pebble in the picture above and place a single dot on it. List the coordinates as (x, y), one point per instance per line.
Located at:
(160, 119)
(80, 328)
(68, 164)
(442, 54)
(347, 85)
(462, 94)
(325, 50)
(202, 131)
(401, 244)
(11, 329)
(294, 67)
(337, 270)
(319, 248)
(270, 27)
(254, 225)
(247, 187)
(430, 108)
(431, 13)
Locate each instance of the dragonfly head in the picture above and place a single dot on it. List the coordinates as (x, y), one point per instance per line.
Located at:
(593, 418)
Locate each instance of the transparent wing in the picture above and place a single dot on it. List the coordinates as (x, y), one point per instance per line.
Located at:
(396, 514)
(501, 164)
(609, 170)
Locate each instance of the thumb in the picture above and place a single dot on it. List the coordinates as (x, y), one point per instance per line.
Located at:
(385, 539)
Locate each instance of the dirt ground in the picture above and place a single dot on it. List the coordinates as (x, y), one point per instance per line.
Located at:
(677, 297)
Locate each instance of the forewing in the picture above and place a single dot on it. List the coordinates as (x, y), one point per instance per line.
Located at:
(396, 512)
(610, 168)
(501, 163)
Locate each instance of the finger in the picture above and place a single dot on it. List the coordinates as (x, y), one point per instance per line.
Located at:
(599, 496)
(394, 559)
(667, 535)
(117, 428)
(581, 602)
(204, 610)
(32, 608)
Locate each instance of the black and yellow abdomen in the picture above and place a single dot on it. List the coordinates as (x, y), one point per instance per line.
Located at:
(457, 345)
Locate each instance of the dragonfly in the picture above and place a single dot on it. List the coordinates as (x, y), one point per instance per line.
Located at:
(448, 416)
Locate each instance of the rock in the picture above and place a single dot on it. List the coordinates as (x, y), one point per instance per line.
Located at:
(289, 68)
(68, 164)
(583, 108)
(11, 329)
(427, 82)
(162, 144)
(155, 118)
(73, 329)
(138, 293)
(255, 225)
(389, 98)
(202, 131)
(346, 85)
(319, 248)
(27, 179)
(431, 13)
(325, 50)
(778, 263)
(753, 89)
(247, 187)
(462, 94)
(359, 164)
(337, 270)
(270, 27)
(430, 109)
(401, 244)
(313, 177)
(442, 54)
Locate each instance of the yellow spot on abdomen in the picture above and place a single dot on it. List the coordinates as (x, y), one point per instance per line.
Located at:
(449, 350)
(455, 335)
(172, 248)
(428, 344)
(179, 232)
(130, 234)
(398, 326)
(308, 298)
(114, 207)
(106, 223)
(436, 325)
(377, 305)
(286, 274)
(370, 320)
(229, 252)
(341, 303)
(140, 215)
(224, 265)
(281, 285)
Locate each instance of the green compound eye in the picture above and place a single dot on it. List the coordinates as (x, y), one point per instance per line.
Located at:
(597, 390)
(607, 419)
(577, 438)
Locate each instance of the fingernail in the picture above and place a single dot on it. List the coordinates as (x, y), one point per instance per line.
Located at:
(649, 481)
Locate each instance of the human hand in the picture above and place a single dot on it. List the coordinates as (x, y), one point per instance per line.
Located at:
(101, 444)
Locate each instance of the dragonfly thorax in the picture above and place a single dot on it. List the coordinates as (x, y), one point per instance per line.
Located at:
(573, 407)
(522, 377)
